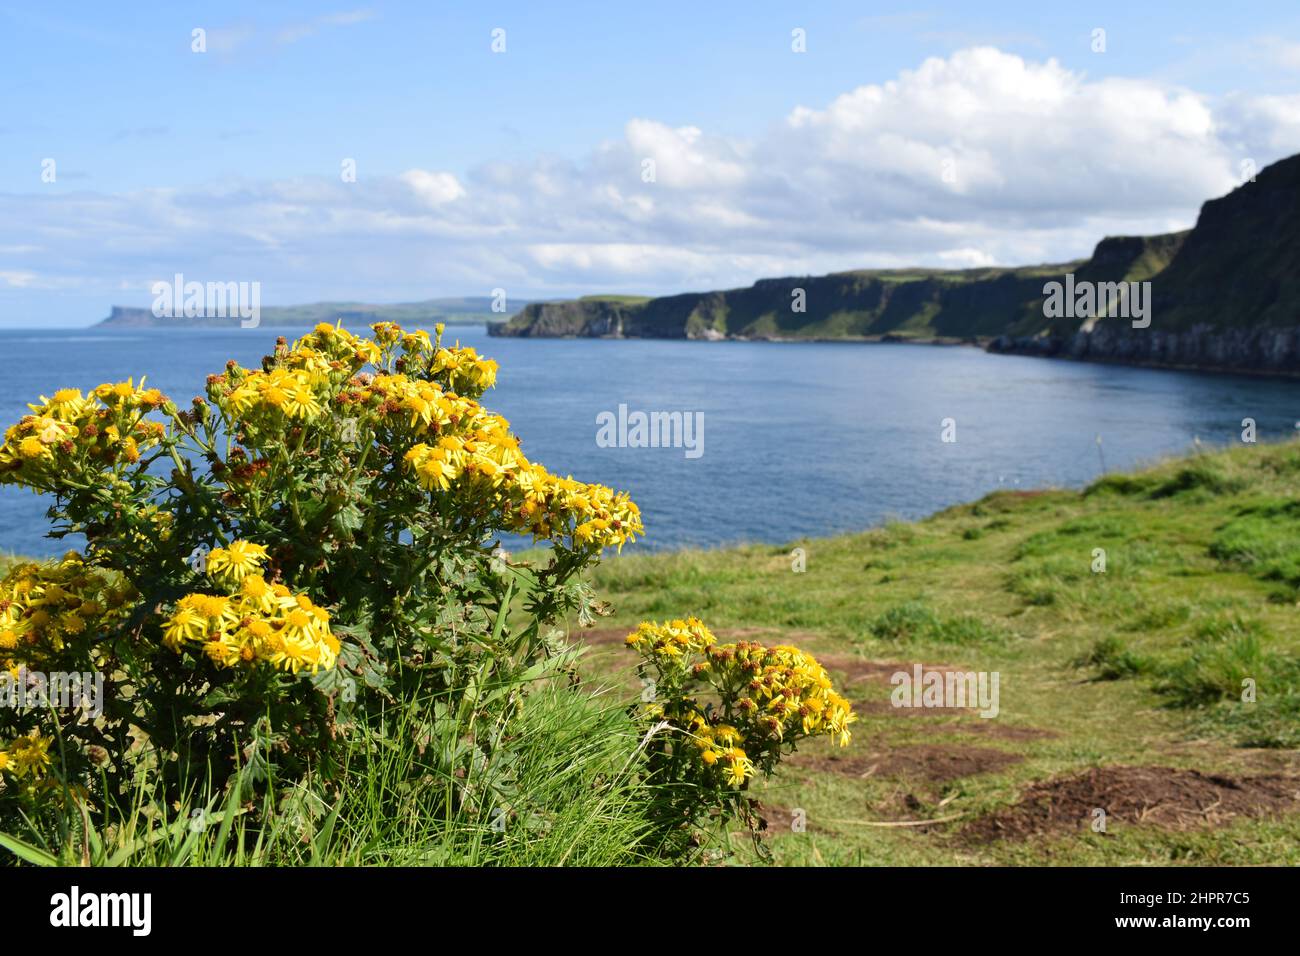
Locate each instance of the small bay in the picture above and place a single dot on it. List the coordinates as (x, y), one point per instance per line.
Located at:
(799, 440)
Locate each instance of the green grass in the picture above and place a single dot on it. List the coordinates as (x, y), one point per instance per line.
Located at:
(918, 622)
(567, 795)
(1142, 664)
(1114, 659)
(616, 298)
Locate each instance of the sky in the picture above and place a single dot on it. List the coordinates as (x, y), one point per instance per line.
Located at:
(552, 150)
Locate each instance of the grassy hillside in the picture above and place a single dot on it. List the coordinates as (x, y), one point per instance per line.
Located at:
(865, 304)
(1118, 690)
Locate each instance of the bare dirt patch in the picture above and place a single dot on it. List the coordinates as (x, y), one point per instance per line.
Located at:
(1147, 796)
(866, 684)
(778, 819)
(881, 707)
(857, 670)
(933, 763)
(1013, 732)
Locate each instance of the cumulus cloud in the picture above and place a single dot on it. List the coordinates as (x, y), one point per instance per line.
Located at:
(979, 158)
(684, 157)
(433, 188)
(1033, 140)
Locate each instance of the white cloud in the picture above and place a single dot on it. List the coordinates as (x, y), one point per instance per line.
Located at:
(433, 188)
(1028, 138)
(617, 259)
(683, 157)
(1280, 52)
(1260, 126)
(966, 258)
(978, 158)
(293, 32)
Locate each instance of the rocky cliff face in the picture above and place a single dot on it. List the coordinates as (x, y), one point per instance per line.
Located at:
(1228, 300)
(955, 305)
(1225, 295)
(1265, 350)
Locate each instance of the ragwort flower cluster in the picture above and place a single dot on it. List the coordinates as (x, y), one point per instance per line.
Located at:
(70, 434)
(738, 706)
(45, 607)
(254, 621)
(422, 400)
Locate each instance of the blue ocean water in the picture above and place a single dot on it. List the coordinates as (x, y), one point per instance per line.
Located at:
(799, 439)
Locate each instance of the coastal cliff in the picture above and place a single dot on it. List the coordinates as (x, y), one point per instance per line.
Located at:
(1224, 296)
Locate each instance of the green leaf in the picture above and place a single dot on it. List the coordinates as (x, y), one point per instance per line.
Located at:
(348, 519)
(321, 841)
(25, 851)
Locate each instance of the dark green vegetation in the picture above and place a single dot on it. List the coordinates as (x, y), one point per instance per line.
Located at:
(907, 304)
(354, 314)
(1224, 296)
(1120, 690)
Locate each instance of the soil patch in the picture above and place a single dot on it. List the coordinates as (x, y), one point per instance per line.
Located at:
(885, 708)
(933, 763)
(866, 685)
(999, 731)
(856, 670)
(779, 819)
(1150, 796)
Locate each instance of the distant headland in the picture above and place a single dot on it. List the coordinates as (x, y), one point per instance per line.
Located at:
(465, 309)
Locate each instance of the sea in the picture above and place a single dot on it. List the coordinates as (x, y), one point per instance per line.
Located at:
(795, 440)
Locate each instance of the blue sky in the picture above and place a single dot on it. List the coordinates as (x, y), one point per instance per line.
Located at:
(524, 169)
